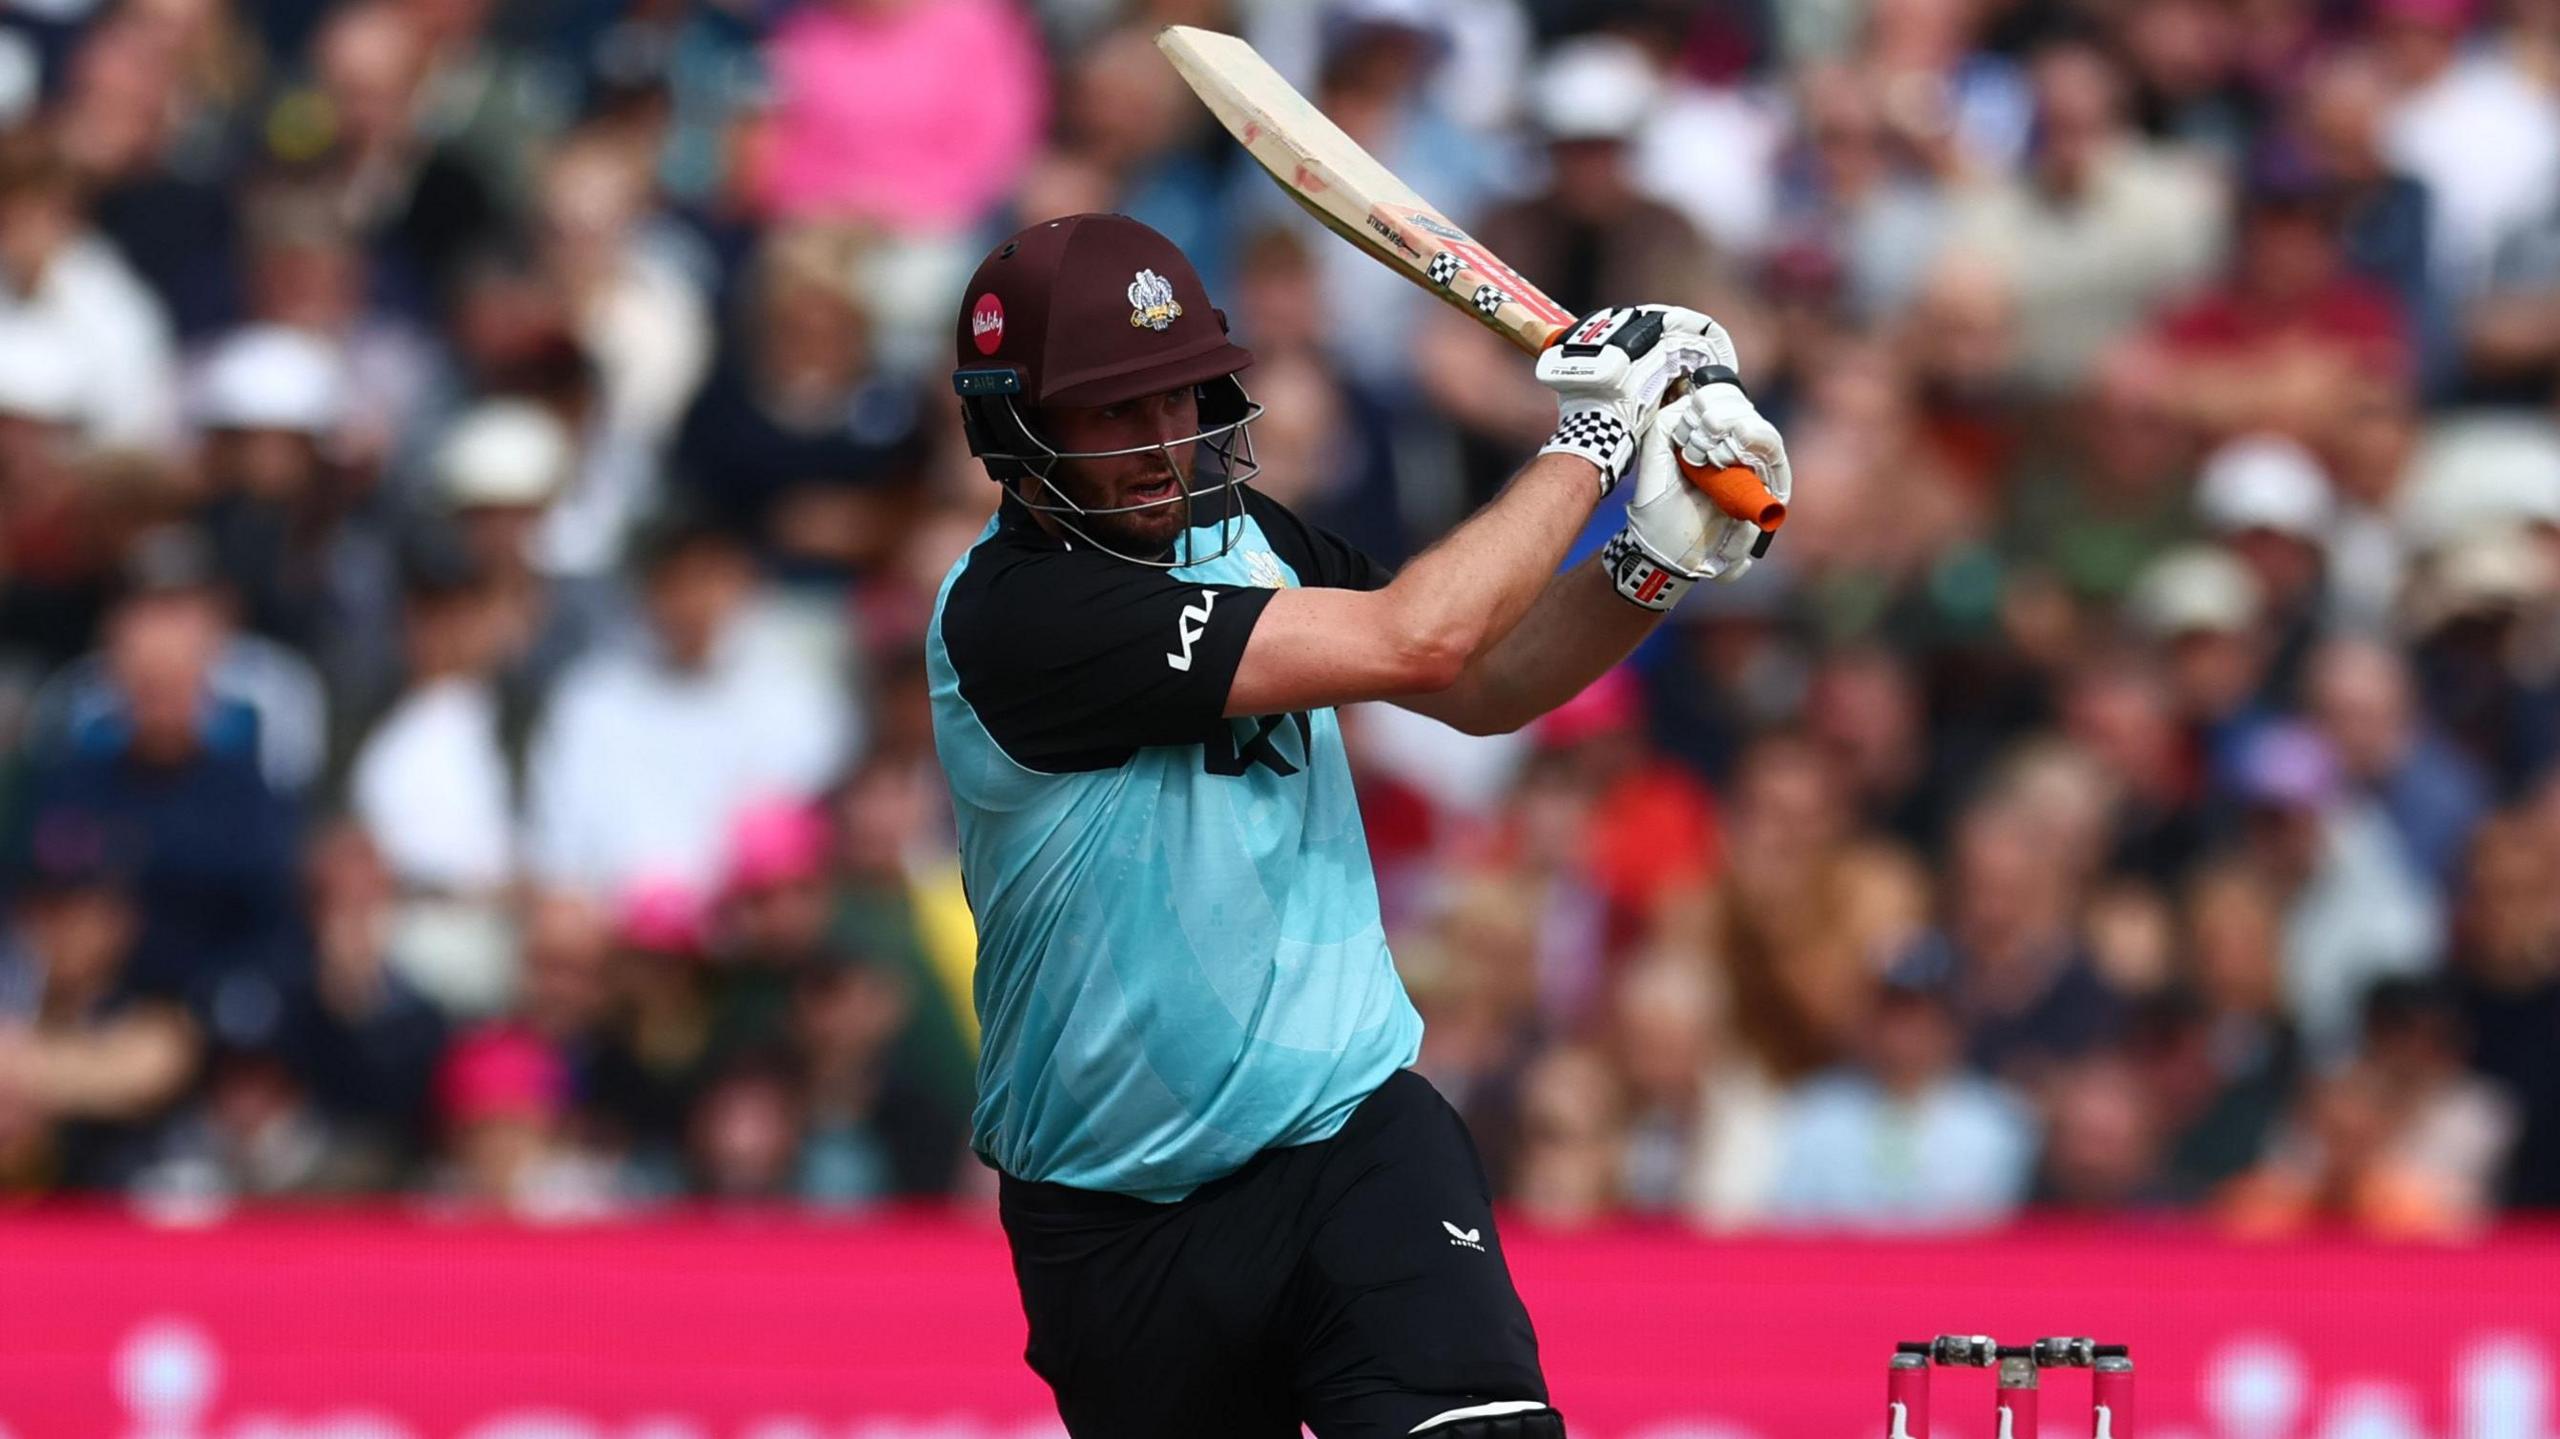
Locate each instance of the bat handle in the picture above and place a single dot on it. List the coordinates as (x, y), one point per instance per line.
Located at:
(1738, 492)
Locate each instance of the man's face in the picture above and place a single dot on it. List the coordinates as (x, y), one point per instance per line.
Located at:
(779, 924)
(82, 935)
(2075, 116)
(371, 62)
(1590, 177)
(1153, 477)
(160, 649)
(692, 596)
(1911, 1041)
(2287, 839)
(34, 226)
(500, 537)
(276, 465)
(2214, 671)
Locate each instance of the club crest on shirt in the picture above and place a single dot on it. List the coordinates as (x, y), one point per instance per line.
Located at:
(1151, 301)
(1263, 568)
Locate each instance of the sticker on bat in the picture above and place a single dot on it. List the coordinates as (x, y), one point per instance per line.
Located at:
(1425, 220)
(1472, 256)
(1393, 236)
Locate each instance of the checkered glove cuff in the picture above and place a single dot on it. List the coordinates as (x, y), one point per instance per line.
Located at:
(1596, 434)
(1640, 577)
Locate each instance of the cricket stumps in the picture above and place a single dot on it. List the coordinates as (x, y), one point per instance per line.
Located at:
(2017, 1388)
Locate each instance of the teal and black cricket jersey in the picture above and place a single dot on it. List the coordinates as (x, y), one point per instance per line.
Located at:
(1180, 960)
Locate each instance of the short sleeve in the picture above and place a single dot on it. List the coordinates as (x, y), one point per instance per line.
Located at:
(1323, 560)
(1073, 660)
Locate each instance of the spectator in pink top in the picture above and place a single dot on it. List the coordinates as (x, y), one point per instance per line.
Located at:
(918, 115)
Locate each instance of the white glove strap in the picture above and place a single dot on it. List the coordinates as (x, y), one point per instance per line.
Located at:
(1594, 432)
(1640, 577)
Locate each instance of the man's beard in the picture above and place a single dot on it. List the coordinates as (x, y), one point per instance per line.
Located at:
(1148, 534)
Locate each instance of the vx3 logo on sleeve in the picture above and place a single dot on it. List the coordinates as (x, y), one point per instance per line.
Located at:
(1464, 1238)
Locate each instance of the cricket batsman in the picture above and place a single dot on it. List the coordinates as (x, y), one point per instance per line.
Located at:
(1232, 1207)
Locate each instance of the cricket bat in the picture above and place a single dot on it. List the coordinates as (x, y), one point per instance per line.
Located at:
(1339, 183)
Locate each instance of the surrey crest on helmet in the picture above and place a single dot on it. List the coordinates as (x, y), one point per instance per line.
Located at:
(1151, 301)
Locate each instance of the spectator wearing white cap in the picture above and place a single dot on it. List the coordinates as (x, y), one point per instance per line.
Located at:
(278, 388)
(1586, 233)
(2482, 611)
(497, 471)
(432, 781)
(2481, 518)
(1591, 231)
(2268, 501)
(498, 465)
(298, 535)
(1378, 79)
(2482, 474)
(2205, 611)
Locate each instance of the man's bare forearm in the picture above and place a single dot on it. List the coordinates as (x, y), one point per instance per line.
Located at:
(1426, 629)
(1470, 590)
(1579, 626)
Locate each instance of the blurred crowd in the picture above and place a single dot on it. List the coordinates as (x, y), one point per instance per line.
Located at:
(473, 478)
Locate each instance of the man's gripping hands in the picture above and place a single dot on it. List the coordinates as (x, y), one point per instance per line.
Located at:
(1611, 373)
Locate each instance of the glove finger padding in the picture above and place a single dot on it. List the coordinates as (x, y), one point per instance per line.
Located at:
(1719, 426)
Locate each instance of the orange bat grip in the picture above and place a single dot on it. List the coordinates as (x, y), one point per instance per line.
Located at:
(1739, 493)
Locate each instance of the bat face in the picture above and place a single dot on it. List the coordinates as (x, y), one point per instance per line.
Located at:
(1338, 182)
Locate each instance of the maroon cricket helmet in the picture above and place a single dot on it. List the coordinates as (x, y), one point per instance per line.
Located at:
(1095, 310)
(1092, 310)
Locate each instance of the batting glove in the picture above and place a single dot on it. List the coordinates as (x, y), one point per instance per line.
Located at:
(1609, 372)
(1663, 549)
(1715, 425)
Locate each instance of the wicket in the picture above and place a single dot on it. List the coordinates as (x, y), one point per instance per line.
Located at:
(2110, 1366)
